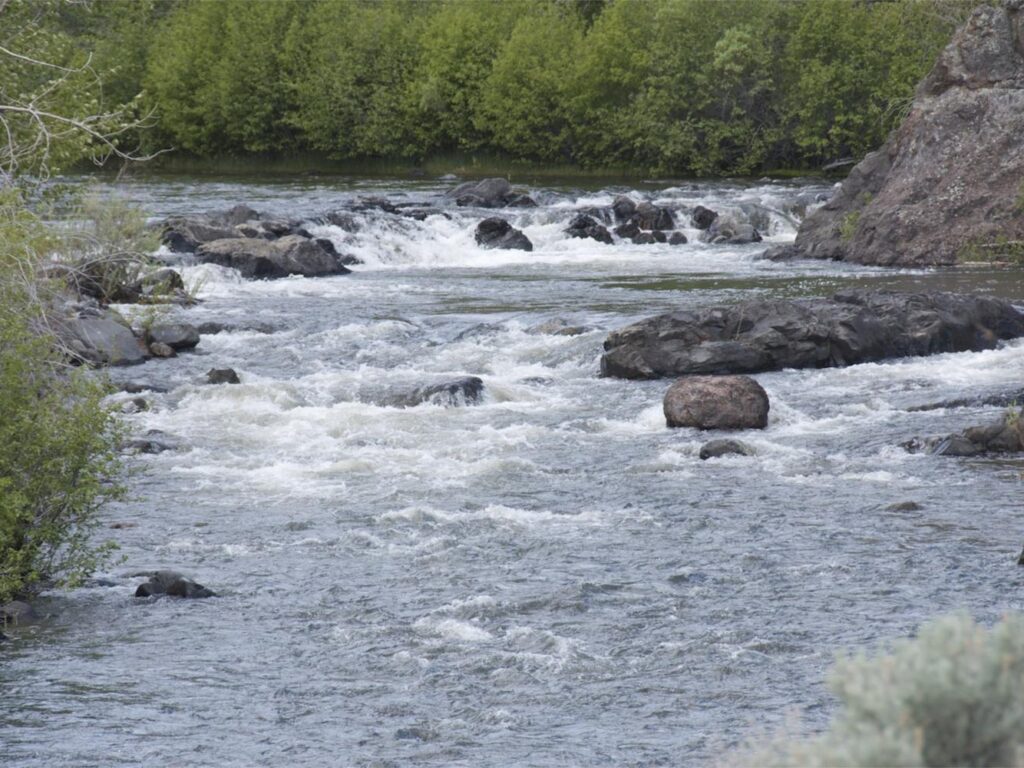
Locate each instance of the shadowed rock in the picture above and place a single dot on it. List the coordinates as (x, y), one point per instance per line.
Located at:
(584, 226)
(222, 376)
(173, 584)
(716, 402)
(851, 327)
(498, 233)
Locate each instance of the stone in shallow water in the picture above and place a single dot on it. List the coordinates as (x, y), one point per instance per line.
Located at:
(222, 376)
(716, 402)
(173, 584)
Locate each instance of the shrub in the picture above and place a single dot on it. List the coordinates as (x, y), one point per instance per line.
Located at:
(952, 696)
(58, 461)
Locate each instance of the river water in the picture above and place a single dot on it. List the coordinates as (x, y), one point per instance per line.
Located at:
(548, 578)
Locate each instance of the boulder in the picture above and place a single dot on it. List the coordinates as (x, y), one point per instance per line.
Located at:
(222, 376)
(466, 390)
(159, 349)
(177, 336)
(185, 234)
(946, 187)
(649, 238)
(584, 226)
(289, 255)
(677, 238)
(239, 214)
(623, 208)
(488, 193)
(702, 217)
(716, 402)
(173, 584)
(628, 230)
(650, 216)
(102, 340)
(770, 334)
(498, 233)
(729, 230)
(714, 449)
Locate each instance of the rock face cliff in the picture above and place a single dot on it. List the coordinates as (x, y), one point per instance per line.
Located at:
(948, 185)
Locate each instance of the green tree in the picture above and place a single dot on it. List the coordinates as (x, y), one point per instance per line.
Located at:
(524, 105)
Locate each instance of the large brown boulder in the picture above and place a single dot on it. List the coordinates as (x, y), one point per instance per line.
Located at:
(948, 185)
(716, 402)
(851, 327)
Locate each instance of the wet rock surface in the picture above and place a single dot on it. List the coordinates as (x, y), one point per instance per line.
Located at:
(466, 390)
(848, 328)
(714, 449)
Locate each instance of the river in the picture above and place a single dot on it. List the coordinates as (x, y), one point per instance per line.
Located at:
(549, 578)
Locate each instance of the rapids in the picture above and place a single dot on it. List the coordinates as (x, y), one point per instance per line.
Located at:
(549, 578)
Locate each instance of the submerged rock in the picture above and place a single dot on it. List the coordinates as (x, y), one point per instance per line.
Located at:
(851, 327)
(557, 327)
(16, 612)
(222, 376)
(498, 233)
(714, 449)
(466, 390)
(946, 186)
(289, 255)
(173, 584)
(716, 402)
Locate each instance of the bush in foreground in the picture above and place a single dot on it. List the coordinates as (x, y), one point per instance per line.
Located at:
(953, 696)
(58, 461)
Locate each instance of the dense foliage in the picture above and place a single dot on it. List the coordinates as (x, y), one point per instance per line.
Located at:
(951, 696)
(687, 86)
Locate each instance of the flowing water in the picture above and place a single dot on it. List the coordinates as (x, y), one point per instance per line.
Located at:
(548, 578)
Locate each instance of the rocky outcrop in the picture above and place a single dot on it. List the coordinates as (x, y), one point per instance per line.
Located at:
(584, 226)
(489, 193)
(948, 185)
(716, 402)
(849, 328)
(173, 584)
(1004, 435)
(498, 233)
(185, 234)
(715, 449)
(263, 259)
